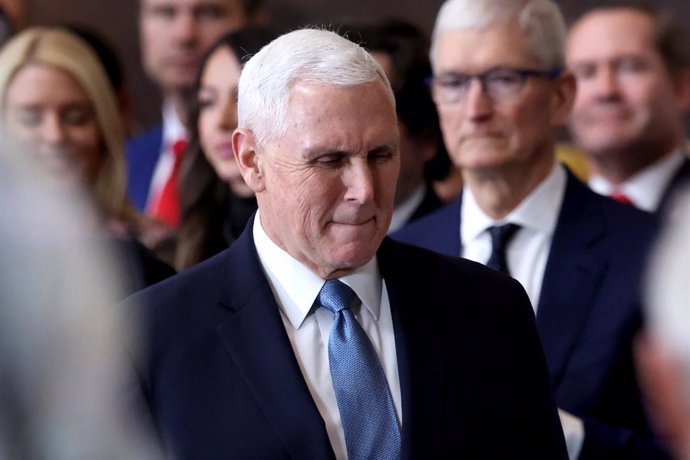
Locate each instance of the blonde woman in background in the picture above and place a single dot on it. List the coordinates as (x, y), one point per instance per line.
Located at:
(59, 106)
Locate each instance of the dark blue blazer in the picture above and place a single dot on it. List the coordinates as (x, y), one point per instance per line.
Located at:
(430, 203)
(588, 314)
(221, 380)
(142, 154)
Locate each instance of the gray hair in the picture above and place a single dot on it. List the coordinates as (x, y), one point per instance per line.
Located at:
(540, 20)
(307, 55)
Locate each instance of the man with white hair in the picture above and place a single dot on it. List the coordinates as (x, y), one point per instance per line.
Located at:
(501, 92)
(315, 336)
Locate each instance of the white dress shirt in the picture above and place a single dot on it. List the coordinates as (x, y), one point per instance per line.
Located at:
(173, 130)
(527, 253)
(295, 289)
(646, 188)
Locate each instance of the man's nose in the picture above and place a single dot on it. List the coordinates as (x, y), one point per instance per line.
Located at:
(359, 181)
(185, 27)
(478, 103)
(606, 82)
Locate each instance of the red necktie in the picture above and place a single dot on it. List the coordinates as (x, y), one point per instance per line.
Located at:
(168, 206)
(621, 197)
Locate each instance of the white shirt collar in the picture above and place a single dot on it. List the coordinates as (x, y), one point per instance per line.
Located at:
(646, 188)
(403, 212)
(539, 210)
(295, 287)
(173, 128)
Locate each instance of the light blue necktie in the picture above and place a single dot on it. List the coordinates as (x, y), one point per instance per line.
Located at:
(364, 399)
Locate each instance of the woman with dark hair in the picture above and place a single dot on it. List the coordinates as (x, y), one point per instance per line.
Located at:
(215, 203)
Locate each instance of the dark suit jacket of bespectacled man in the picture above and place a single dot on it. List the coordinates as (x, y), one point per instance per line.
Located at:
(237, 359)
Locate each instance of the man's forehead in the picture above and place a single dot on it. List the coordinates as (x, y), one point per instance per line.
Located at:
(301, 88)
(497, 45)
(193, 3)
(614, 31)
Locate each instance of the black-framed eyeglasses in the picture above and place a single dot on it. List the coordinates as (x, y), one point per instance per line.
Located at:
(500, 83)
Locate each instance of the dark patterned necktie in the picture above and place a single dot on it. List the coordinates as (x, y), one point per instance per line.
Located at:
(500, 237)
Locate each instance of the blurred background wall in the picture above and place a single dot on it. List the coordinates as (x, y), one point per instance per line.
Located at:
(116, 20)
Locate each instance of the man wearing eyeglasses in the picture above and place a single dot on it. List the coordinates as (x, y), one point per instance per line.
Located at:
(501, 94)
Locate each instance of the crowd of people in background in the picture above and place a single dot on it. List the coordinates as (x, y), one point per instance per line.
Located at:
(425, 176)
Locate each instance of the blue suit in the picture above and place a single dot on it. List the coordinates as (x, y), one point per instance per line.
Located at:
(142, 153)
(588, 314)
(221, 380)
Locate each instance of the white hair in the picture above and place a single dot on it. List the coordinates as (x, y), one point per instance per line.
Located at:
(306, 55)
(540, 20)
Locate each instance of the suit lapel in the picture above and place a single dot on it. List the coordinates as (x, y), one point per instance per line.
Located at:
(420, 365)
(258, 344)
(570, 279)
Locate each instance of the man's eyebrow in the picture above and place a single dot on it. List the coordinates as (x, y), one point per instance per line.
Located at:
(384, 148)
(317, 151)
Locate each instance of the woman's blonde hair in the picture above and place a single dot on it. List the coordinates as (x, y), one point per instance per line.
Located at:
(62, 49)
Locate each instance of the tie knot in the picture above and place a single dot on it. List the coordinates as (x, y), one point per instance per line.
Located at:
(336, 296)
(502, 234)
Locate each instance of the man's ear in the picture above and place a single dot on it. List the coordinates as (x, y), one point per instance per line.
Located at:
(563, 98)
(681, 86)
(249, 161)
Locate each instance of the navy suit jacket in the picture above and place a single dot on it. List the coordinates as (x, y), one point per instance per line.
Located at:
(588, 314)
(221, 380)
(142, 154)
(430, 203)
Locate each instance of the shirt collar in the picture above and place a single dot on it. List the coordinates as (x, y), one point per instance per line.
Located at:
(173, 129)
(538, 211)
(296, 287)
(646, 188)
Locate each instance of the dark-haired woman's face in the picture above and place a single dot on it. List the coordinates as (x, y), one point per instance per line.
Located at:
(218, 116)
(47, 112)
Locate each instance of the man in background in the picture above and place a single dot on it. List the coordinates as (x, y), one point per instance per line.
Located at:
(174, 36)
(632, 65)
(501, 92)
